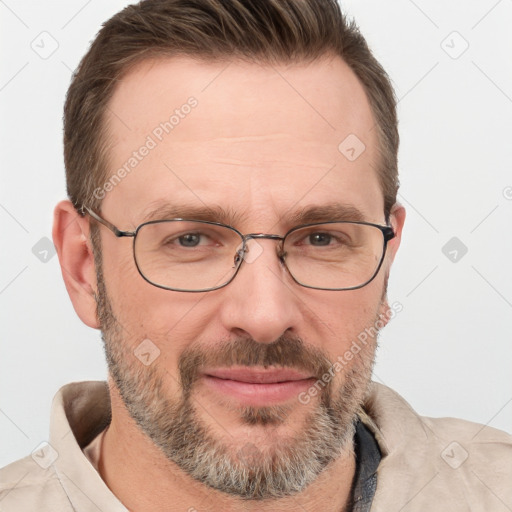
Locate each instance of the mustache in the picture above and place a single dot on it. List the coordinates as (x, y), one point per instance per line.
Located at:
(287, 351)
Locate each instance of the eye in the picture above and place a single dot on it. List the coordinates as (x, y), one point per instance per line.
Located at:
(322, 237)
(319, 239)
(190, 240)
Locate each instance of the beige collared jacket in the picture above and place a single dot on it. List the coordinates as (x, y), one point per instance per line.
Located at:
(427, 464)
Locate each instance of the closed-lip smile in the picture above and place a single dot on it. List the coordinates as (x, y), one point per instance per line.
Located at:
(258, 386)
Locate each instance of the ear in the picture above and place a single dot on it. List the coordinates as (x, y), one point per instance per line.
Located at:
(397, 220)
(71, 238)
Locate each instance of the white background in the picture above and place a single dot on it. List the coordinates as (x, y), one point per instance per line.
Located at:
(449, 351)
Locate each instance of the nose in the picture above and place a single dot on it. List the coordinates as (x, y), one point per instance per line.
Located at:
(261, 302)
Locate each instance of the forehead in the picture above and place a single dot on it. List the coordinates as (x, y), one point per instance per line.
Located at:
(256, 139)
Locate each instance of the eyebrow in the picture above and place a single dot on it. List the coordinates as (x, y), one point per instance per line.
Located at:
(327, 212)
(162, 211)
(308, 215)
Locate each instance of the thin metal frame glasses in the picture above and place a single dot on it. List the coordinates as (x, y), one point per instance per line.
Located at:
(350, 257)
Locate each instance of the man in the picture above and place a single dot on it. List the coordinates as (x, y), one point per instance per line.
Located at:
(232, 175)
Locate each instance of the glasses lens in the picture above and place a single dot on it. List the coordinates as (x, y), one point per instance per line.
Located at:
(197, 256)
(187, 255)
(334, 255)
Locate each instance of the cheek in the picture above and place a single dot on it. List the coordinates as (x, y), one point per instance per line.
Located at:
(346, 313)
(127, 291)
(119, 268)
(171, 320)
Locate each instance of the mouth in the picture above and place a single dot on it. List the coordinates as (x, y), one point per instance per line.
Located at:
(258, 386)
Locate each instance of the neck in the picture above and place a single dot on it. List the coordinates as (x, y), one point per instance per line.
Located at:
(142, 478)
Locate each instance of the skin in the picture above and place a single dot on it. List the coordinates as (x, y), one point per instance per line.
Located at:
(262, 140)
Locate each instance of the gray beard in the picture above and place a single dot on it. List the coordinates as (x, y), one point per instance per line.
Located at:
(284, 468)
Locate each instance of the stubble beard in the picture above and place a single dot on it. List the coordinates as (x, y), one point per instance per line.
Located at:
(284, 468)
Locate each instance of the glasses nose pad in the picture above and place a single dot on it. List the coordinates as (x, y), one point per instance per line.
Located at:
(239, 255)
(250, 251)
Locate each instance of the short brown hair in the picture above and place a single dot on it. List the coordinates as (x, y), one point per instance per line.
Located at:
(264, 31)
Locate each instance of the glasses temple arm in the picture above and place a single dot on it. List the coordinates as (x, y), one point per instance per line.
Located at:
(107, 224)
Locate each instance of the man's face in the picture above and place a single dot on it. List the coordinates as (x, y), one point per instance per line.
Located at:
(222, 397)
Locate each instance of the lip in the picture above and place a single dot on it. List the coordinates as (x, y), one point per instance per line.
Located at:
(258, 376)
(257, 386)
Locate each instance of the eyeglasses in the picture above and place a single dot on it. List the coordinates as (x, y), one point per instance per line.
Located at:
(199, 256)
